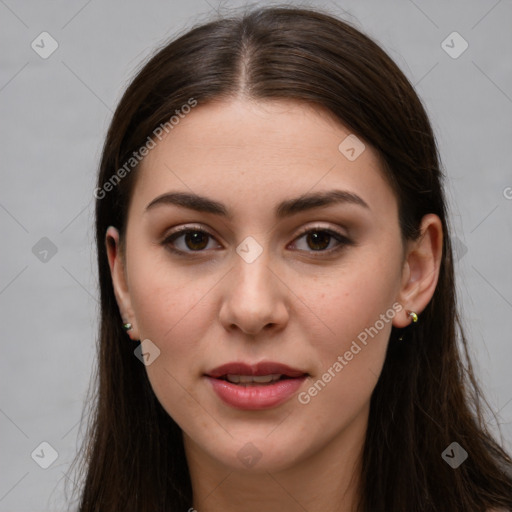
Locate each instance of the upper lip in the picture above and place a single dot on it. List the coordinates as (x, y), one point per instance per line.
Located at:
(263, 368)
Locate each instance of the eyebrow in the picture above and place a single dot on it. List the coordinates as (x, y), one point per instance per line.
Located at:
(287, 208)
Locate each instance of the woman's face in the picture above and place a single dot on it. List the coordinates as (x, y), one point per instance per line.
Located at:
(271, 274)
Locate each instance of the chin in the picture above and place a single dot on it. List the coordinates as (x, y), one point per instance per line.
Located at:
(259, 453)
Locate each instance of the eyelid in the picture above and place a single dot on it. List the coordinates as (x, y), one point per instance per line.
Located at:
(341, 238)
(176, 232)
(319, 227)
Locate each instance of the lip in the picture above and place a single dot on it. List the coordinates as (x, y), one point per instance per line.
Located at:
(257, 396)
(263, 368)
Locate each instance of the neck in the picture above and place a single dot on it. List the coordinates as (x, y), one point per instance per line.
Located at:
(326, 480)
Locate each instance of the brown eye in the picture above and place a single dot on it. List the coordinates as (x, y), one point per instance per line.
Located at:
(187, 240)
(321, 240)
(196, 240)
(318, 240)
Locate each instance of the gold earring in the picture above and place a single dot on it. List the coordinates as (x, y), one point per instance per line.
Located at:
(413, 316)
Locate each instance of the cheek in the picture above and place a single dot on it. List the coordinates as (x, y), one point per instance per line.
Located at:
(359, 316)
(356, 303)
(171, 310)
(357, 310)
(165, 297)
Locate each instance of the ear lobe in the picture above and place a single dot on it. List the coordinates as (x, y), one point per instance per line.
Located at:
(119, 283)
(421, 270)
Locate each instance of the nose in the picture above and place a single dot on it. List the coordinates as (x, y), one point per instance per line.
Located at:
(254, 298)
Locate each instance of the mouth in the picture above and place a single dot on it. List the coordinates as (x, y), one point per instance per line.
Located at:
(253, 387)
(253, 380)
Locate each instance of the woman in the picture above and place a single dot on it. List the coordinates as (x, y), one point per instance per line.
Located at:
(278, 319)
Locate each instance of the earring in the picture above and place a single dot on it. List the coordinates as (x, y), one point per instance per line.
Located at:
(414, 318)
(127, 326)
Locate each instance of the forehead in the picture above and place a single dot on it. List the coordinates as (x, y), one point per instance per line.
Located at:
(263, 151)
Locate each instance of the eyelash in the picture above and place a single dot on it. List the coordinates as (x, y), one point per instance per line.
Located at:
(341, 239)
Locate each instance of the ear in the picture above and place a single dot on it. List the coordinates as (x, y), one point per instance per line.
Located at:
(420, 271)
(116, 262)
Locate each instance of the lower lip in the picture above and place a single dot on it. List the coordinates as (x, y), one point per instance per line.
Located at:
(258, 396)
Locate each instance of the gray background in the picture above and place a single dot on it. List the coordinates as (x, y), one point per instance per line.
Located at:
(55, 113)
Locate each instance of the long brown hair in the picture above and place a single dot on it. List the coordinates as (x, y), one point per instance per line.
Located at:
(426, 397)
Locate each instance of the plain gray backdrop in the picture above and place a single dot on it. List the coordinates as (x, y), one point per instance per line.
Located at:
(55, 112)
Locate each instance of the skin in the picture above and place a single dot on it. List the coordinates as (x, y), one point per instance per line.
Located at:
(292, 304)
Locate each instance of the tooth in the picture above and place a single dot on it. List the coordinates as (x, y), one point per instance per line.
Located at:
(260, 379)
(248, 379)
